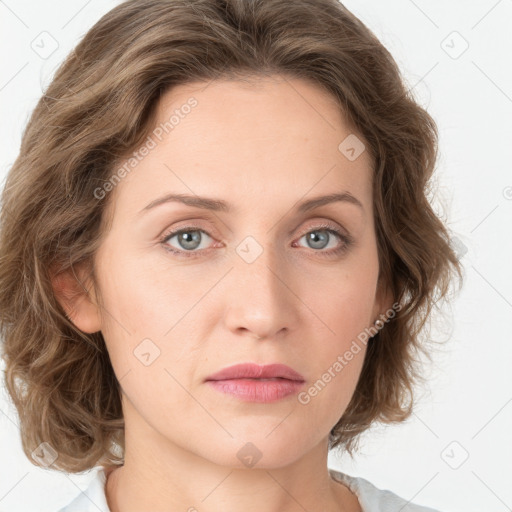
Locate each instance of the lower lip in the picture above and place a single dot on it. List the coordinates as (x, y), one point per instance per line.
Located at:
(257, 390)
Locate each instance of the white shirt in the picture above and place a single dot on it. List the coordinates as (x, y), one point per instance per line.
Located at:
(371, 498)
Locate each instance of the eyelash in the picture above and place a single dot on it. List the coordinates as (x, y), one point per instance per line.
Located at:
(347, 240)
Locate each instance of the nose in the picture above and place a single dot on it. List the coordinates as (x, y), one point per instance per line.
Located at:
(262, 299)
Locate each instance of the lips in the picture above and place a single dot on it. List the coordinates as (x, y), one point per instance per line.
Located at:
(255, 371)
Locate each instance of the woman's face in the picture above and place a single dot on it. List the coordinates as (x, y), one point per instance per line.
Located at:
(176, 311)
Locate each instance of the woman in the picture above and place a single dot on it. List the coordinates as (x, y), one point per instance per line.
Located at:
(217, 257)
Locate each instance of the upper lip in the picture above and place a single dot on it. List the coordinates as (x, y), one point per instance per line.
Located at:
(255, 371)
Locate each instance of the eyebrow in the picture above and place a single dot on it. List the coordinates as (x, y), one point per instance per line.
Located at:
(207, 203)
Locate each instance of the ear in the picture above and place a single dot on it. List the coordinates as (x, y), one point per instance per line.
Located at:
(75, 292)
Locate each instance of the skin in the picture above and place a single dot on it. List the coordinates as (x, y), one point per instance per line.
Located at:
(261, 146)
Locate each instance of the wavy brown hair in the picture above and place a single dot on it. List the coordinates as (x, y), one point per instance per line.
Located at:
(99, 107)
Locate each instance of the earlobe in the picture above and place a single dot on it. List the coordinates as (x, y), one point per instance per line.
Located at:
(75, 293)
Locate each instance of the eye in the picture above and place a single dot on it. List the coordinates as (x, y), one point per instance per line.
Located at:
(320, 237)
(190, 239)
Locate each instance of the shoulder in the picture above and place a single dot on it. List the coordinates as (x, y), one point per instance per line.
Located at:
(93, 498)
(373, 499)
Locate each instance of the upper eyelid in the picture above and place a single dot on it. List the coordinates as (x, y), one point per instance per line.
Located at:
(198, 224)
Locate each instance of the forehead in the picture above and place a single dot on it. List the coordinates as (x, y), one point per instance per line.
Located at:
(274, 137)
(253, 109)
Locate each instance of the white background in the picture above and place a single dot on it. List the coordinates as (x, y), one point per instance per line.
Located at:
(467, 409)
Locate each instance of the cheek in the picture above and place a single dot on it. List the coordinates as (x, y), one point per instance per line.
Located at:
(149, 328)
(344, 302)
(146, 298)
(341, 341)
(348, 310)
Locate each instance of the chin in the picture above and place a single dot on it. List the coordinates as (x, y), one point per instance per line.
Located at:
(256, 450)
